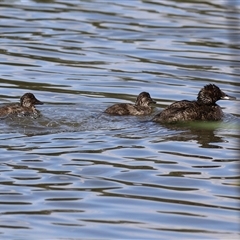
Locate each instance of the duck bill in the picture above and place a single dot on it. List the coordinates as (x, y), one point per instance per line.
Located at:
(227, 97)
(37, 102)
(152, 101)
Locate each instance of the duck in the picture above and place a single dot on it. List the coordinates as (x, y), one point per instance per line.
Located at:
(142, 106)
(202, 109)
(26, 107)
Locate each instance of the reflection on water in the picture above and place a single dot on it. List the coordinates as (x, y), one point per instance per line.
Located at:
(79, 173)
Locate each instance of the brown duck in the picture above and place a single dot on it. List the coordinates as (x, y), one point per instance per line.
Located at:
(26, 106)
(142, 106)
(202, 109)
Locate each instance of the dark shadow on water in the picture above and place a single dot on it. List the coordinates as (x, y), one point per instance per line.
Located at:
(206, 134)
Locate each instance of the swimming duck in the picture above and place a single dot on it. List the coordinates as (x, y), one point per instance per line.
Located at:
(141, 106)
(26, 106)
(202, 109)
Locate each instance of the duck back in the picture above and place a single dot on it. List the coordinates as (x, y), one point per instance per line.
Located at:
(128, 109)
(189, 111)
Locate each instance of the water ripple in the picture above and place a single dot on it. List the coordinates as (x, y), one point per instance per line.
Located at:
(76, 172)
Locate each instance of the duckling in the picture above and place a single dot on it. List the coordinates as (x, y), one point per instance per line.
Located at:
(141, 106)
(26, 106)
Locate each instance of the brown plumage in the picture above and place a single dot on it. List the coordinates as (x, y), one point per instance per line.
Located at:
(202, 109)
(141, 106)
(26, 106)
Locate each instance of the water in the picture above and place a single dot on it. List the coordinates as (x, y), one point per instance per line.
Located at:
(76, 173)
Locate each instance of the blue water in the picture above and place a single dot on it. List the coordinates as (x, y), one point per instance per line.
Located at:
(77, 173)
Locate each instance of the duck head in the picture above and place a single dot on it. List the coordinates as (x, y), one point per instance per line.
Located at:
(144, 99)
(29, 100)
(211, 93)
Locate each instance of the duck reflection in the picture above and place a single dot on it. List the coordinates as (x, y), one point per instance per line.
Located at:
(204, 134)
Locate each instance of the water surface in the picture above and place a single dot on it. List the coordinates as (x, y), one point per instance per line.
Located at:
(77, 173)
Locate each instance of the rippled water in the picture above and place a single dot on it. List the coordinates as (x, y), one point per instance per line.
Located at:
(76, 173)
